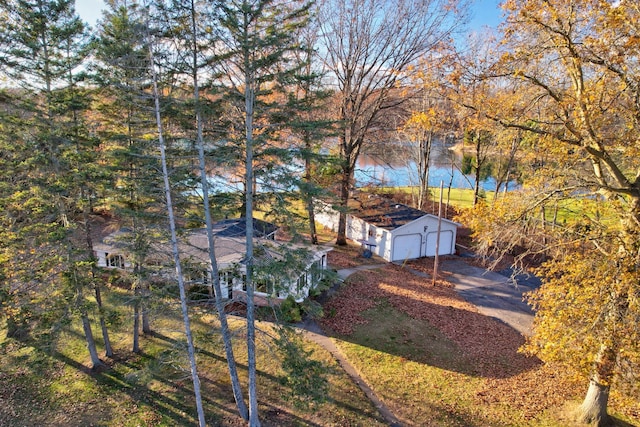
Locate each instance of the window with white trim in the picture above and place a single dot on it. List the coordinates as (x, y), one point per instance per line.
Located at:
(115, 260)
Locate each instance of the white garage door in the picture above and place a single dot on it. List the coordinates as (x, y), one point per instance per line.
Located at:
(446, 240)
(406, 246)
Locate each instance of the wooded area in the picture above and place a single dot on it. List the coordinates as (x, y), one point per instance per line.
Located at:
(170, 116)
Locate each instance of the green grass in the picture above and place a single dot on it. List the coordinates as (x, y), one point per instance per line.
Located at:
(154, 388)
(458, 197)
(427, 380)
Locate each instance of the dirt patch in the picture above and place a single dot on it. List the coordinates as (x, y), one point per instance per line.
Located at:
(348, 256)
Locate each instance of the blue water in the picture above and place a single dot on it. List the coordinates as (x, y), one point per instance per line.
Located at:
(375, 171)
(378, 172)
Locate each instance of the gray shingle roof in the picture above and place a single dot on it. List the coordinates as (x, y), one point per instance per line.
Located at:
(381, 212)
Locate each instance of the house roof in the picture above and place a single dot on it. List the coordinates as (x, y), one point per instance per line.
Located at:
(382, 212)
(230, 250)
(229, 243)
(237, 227)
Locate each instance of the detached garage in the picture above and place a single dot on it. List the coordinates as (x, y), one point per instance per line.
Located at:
(393, 231)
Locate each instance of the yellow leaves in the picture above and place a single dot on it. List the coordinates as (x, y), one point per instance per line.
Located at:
(581, 307)
(423, 120)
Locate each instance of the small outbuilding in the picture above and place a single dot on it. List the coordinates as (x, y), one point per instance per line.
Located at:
(393, 231)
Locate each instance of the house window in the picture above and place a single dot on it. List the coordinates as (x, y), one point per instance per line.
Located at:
(226, 281)
(224, 278)
(372, 232)
(204, 277)
(116, 261)
(264, 285)
(316, 271)
(302, 282)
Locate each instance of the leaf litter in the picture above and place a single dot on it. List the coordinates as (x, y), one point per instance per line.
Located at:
(513, 379)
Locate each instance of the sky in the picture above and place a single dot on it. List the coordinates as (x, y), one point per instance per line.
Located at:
(485, 12)
(89, 10)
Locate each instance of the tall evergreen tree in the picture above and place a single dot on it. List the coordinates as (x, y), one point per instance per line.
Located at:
(189, 36)
(44, 44)
(308, 121)
(258, 38)
(121, 70)
(174, 239)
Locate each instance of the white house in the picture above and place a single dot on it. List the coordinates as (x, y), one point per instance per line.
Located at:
(281, 269)
(393, 231)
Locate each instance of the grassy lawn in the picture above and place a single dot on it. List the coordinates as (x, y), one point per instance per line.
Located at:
(458, 197)
(154, 388)
(435, 361)
(429, 355)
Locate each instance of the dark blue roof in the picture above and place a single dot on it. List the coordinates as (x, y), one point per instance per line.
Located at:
(382, 212)
(237, 227)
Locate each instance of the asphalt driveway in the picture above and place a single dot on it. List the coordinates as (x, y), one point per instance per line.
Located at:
(494, 294)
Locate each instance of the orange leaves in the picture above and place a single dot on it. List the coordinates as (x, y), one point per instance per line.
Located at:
(482, 339)
(424, 120)
(584, 305)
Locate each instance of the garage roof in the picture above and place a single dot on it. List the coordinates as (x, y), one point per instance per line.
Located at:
(381, 212)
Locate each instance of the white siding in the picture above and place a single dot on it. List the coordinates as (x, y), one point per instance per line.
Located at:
(385, 243)
(326, 216)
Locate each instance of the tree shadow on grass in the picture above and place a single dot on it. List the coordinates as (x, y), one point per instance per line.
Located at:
(617, 422)
(175, 409)
(273, 412)
(274, 415)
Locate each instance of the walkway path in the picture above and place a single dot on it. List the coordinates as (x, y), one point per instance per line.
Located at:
(314, 333)
(346, 272)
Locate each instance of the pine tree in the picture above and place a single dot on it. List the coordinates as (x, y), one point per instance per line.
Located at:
(258, 40)
(172, 227)
(307, 102)
(189, 36)
(121, 71)
(44, 45)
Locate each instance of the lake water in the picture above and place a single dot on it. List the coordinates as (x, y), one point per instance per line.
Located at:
(444, 166)
(376, 171)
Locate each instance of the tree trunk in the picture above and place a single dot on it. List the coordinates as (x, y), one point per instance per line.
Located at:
(91, 343)
(96, 286)
(476, 187)
(144, 304)
(423, 169)
(191, 353)
(593, 410)
(215, 290)
(345, 187)
(594, 407)
(312, 222)
(136, 320)
(108, 350)
(449, 185)
(86, 325)
(174, 247)
(309, 199)
(254, 420)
